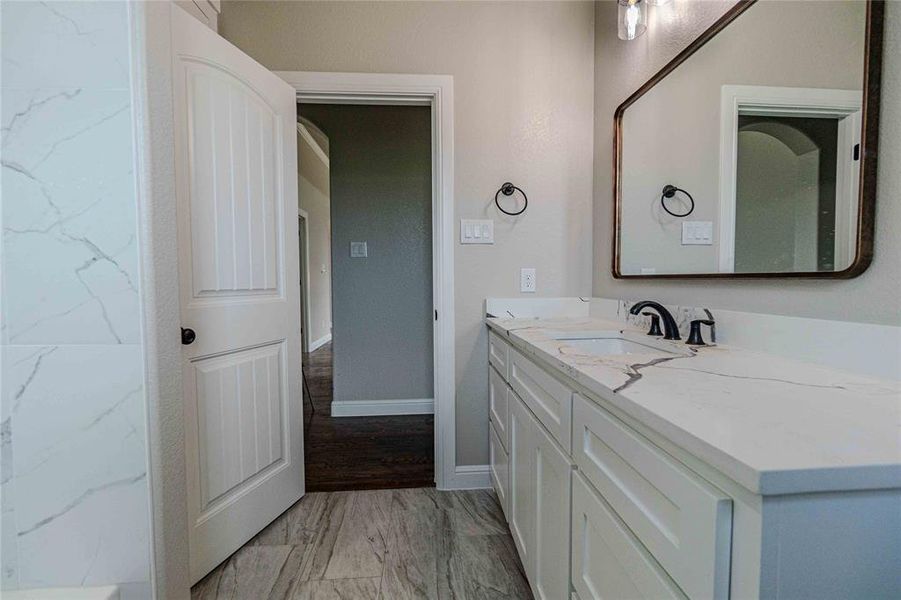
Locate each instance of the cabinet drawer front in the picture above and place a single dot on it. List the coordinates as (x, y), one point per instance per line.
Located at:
(499, 354)
(608, 562)
(499, 468)
(681, 519)
(550, 400)
(498, 405)
(553, 475)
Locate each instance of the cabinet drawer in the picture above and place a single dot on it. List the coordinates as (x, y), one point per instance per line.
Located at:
(607, 560)
(550, 400)
(499, 468)
(681, 519)
(499, 354)
(498, 405)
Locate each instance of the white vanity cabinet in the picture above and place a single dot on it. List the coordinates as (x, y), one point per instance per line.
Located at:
(531, 474)
(595, 510)
(608, 498)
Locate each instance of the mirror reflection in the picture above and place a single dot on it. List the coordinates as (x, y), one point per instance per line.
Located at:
(746, 157)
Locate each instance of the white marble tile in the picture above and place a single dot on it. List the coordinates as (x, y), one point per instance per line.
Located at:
(79, 463)
(74, 492)
(9, 575)
(64, 44)
(70, 258)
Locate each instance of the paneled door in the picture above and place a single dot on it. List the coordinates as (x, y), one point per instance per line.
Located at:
(236, 174)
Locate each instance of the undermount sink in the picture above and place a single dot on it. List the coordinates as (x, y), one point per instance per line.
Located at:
(609, 343)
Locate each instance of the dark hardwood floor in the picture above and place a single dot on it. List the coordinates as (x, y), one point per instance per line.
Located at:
(357, 453)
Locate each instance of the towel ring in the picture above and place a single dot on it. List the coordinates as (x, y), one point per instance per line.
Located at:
(668, 192)
(507, 189)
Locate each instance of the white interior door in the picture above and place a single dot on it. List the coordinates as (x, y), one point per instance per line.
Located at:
(236, 173)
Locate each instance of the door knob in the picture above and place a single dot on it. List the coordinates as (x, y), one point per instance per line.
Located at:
(187, 336)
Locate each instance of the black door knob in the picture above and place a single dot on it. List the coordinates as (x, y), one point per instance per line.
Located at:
(187, 336)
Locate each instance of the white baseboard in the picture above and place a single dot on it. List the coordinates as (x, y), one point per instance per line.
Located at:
(316, 344)
(376, 408)
(469, 477)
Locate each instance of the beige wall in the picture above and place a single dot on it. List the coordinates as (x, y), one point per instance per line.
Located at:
(313, 197)
(621, 67)
(672, 133)
(523, 112)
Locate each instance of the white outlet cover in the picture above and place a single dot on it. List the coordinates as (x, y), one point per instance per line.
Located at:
(359, 250)
(527, 280)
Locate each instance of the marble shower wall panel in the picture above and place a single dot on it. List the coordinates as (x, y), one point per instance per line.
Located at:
(73, 456)
(79, 462)
(70, 257)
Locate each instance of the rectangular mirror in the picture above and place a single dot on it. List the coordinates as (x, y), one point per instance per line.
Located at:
(752, 153)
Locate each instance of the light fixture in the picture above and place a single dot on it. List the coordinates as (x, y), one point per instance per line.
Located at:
(658, 2)
(633, 19)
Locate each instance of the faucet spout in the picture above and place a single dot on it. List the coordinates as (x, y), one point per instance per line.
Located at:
(670, 329)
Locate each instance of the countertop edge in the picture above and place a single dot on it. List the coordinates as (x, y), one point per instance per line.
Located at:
(761, 482)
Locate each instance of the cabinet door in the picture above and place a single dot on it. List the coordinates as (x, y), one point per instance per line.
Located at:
(607, 561)
(500, 470)
(552, 477)
(522, 490)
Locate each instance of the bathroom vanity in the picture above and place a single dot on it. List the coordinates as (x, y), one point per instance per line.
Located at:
(632, 467)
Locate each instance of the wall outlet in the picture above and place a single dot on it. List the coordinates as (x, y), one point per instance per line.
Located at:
(527, 280)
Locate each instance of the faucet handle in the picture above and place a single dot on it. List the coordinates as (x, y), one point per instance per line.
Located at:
(694, 334)
(655, 323)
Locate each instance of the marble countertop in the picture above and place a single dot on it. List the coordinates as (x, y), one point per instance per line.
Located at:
(774, 425)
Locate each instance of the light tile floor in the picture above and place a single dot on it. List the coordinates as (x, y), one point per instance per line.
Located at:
(392, 544)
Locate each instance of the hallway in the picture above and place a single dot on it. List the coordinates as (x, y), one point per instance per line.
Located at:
(356, 453)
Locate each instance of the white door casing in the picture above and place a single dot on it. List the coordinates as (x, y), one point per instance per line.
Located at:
(236, 188)
(843, 105)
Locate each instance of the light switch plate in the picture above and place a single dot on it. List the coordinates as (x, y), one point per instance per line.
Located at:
(527, 280)
(476, 231)
(697, 233)
(359, 250)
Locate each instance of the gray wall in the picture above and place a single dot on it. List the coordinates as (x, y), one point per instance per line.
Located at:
(381, 193)
(621, 67)
(313, 197)
(523, 108)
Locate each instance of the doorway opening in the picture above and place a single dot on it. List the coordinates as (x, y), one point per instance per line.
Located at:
(789, 179)
(365, 225)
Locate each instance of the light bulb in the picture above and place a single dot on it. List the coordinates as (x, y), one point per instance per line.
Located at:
(633, 20)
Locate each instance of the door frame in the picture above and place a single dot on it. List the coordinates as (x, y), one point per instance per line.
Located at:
(843, 105)
(436, 91)
(305, 280)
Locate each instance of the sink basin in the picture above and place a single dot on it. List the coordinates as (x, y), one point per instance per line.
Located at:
(605, 344)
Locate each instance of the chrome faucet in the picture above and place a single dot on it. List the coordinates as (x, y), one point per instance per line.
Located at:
(670, 329)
